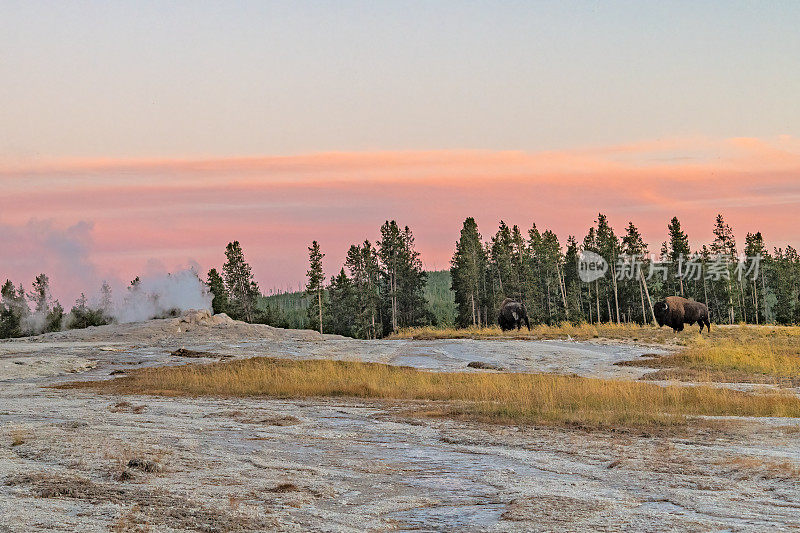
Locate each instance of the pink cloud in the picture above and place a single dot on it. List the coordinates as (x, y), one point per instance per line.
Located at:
(181, 210)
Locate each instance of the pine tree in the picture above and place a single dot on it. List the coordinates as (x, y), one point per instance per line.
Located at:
(754, 251)
(572, 282)
(411, 299)
(55, 318)
(13, 307)
(106, 301)
(40, 295)
(242, 290)
(402, 278)
(590, 245)
(219, 304)
(342, 305)
(724, 250)
(677, 252)
(362, 262)
(634, 247)
(608, 245)
(82, 316)
(390, 251)
(502, 265)
(467, 269)
(316, 280)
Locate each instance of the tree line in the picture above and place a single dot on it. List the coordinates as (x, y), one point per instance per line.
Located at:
(537, 271)
(378, 290)
(383, 287)
(24, 313)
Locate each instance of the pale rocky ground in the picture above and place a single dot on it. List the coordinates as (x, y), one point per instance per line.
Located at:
(215, 464)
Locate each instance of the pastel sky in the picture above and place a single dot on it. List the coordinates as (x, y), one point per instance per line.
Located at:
(138, 136)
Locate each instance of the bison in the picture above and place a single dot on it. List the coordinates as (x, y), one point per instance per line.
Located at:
(675, 311)
(512, 315)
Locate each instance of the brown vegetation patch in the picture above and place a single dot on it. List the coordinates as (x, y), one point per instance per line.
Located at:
(169, 511)
(484, 365)
(183, 352)
(285, 487)
(18, 438)
(145, 465)
(750, 467)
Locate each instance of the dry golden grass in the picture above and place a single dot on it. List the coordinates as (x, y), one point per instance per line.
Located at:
(740, 353)
(18, 438)
(623, 332)
(496, 397)
(583, 331)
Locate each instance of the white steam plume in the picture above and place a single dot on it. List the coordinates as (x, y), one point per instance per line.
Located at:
(159, 296)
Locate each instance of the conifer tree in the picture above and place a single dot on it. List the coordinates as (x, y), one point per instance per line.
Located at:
(106, 301)
(316, 280)
(13, 307)
(219, 303)
(608, 246)
(572, 282)
(342, 303)
(362, 262)
(40, 295)
(677, 249)
(754, 251)
(467, 270)
(242, 290)
(634, 247)
(590, 245)
(724, 250)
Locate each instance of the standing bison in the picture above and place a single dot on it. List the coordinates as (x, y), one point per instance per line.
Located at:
(512, 315)
(675, 311)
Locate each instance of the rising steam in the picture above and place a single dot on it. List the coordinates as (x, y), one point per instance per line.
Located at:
(159, 296)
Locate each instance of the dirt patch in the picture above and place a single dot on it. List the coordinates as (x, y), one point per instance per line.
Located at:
(257, 417)
(149, 506)
(279, 421)
(126, 407)
(551, 509)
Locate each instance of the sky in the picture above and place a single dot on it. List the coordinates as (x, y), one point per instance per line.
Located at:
(138, 136)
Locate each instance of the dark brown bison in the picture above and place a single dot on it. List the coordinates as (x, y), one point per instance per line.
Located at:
(675, 311)
(512, 315)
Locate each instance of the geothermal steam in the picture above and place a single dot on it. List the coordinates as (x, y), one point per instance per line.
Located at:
(159, 296)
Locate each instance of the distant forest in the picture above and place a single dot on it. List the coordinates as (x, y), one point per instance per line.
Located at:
(382, 287)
